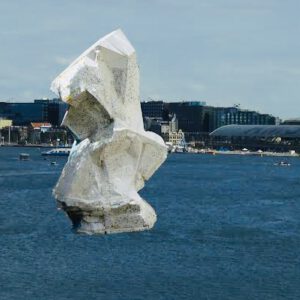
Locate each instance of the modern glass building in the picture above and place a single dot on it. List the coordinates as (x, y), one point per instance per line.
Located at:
(55, 110)
(153, 109)
(44, 110)
(235, 115)
(23, 113)
(192, 116)
(196, 116)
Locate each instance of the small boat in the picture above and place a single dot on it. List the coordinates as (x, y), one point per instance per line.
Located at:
(282, 164)
(212, 152)
(57, 152)
(24, 156)
(179, 149)
(53, 163)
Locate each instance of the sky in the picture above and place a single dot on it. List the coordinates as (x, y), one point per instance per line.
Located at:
(224, 52)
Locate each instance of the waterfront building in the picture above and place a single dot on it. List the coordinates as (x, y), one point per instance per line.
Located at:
(192, 116)
(237, 116)
(295, 121)
(42, 127)
(36, 129)
(22, 113)
(45, 133)
(279, 138)
(41, 110)
(177, 138)
(14, 135)
(5, 123)
(195, 117)
(54, 110)
(153, 109)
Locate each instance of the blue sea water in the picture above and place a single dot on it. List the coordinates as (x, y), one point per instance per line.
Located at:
(228, 228)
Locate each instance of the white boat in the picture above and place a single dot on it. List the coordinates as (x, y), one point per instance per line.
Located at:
(57, 152)
(179, 149)
(283, 164)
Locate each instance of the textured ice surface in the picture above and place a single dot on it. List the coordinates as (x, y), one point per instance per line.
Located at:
(99, 185)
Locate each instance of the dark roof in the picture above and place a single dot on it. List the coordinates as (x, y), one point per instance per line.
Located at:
(295, 121)
(288, 131)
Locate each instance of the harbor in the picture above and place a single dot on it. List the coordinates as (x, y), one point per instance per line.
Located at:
(149, 150)
(247, 215)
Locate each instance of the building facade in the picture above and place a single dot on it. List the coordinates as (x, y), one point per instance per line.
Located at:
(177, 138)
(22, 113)
(54, 110)
(154, 109)
(197, 120)
(5, 123)
(236, 116)
(41, 110)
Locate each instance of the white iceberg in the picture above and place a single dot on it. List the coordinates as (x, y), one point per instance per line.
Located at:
(114, 155)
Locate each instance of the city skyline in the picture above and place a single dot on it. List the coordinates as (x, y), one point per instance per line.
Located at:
(221, 52)
(202, 103)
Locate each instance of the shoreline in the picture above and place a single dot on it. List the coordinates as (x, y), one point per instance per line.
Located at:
(206, 152)
(34, 146)
(267, 153)
(241, 153)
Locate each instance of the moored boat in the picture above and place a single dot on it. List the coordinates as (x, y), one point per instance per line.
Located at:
(57, 152)
(283, 164)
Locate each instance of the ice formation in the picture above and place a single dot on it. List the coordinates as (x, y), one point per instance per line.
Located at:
(113, 155)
